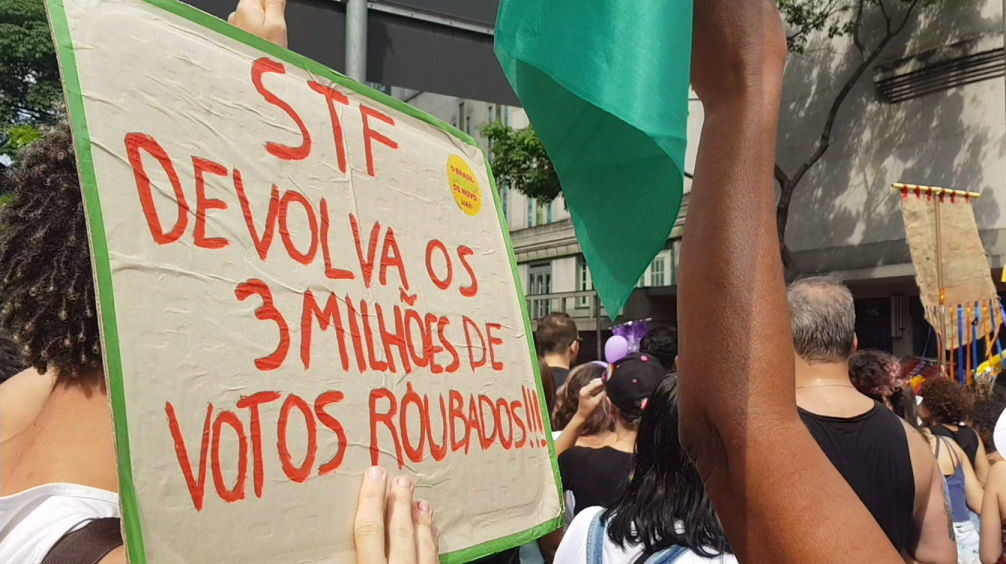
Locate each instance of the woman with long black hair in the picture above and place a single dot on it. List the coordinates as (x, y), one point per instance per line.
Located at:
(664, 515)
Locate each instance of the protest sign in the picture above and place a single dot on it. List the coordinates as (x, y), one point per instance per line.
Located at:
(298, 277)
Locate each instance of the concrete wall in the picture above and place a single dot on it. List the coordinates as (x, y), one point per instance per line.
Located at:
(843, 215)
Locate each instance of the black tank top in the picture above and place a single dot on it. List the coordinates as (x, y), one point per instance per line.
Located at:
(965, 437)
(871, 452)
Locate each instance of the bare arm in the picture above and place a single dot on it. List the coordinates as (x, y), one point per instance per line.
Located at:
(934, 526)
(981, 462)
(932, 539)
(992, 515)
(972, 485)
(738, 412)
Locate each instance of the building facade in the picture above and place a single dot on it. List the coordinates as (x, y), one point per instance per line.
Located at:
(930, 111)
(550, 262)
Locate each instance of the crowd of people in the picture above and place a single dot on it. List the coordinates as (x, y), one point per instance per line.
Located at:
(796, 447)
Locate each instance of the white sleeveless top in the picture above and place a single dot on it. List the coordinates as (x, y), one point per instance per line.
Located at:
(32, 521)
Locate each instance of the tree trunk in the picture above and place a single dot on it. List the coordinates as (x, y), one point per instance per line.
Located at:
(787, 184)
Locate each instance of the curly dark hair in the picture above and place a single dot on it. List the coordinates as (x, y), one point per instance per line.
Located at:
(871, 373)
(946, 400)
(569, 399)
(45, 261)
(986, 415)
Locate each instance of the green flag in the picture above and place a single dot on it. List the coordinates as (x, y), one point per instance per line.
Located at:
(605, 83)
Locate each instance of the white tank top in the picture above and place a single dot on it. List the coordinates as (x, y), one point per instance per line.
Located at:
(32, 521)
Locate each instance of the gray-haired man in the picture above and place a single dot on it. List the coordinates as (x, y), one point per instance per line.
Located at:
(886, 463)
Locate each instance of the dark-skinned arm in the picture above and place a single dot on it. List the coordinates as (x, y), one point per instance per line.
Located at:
(779, 498)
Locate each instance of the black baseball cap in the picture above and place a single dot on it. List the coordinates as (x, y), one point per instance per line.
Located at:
(630, 381)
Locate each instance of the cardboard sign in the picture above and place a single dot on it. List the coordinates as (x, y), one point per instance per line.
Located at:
(298, 277)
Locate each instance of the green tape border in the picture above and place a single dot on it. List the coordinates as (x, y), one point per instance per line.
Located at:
(103, 271)
(105, 295)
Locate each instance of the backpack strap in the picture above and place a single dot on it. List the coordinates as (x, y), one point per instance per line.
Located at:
(595, 540)
(88, 544)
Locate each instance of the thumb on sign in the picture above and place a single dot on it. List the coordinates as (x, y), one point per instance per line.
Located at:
(264, 18)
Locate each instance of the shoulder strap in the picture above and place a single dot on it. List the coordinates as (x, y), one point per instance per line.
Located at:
(88, 544)
(668, 555)
(953, 456)
(595, 540)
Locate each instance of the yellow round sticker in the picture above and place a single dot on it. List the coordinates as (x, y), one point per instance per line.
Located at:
(464, 185)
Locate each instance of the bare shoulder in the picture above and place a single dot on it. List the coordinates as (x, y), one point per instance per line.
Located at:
(996, 476)
(117, 556)
(922, 455)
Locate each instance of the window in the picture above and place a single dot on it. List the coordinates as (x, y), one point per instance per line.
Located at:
(492, 113)
(544, 214)
(540, 283)
(530, 212)
(584, 282)
(658, 271)
(506, 116)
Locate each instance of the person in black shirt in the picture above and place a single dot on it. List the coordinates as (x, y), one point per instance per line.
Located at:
(945, 406)
(889, 465)
(597, 476)
(560, 344)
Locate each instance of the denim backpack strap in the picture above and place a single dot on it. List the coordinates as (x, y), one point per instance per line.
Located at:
(668, 555)
(595, 540)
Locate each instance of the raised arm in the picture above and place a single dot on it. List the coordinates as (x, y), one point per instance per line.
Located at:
(777, 495)
(591, 397)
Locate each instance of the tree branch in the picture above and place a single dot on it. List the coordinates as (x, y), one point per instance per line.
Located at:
(883, 10)
(780, 176)
(825, 140)
(908, 14)
(857, 27)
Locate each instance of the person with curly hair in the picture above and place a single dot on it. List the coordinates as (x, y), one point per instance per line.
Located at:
(983, 420)
(63, 464)
(945, 407)
(876, 374)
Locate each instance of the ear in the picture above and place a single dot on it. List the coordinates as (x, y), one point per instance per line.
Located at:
(855, 343)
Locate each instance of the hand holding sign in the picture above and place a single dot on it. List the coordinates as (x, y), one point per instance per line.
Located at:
(389, 527)
(290, 220)
(264, 18)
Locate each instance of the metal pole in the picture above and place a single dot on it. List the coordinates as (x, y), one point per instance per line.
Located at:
(356, 40)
